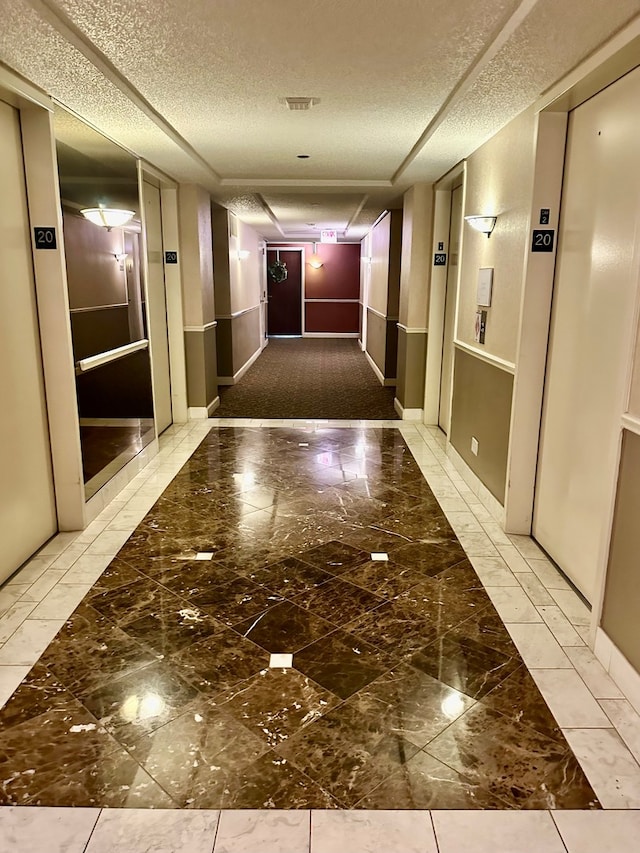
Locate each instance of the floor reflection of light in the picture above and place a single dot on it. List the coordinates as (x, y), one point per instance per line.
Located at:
(452, 705)
(134, 708)
(246, 479)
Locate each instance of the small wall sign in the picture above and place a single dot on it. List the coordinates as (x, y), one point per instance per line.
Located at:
(542, 240)
(329, 236)
(171, 257)
(481, 326)
(45, 238)
(485, 286)
(544, 215)
(440, 247)
(440, 259)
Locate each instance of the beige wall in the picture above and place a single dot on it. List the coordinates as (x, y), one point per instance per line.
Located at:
(380, 242)
(499, 182)
(622, 593)
(196, 254)
(237, 288)
(245, 275)
(415, 264)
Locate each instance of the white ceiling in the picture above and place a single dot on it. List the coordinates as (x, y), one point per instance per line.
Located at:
(405, 88)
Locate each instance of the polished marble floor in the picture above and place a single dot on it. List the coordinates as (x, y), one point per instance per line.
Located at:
(403, 688)
(436, 705)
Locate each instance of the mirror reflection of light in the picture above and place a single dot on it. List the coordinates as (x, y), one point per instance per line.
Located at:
(452, 705)
(135, 708)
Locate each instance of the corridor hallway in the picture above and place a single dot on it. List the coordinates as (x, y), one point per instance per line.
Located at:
(309, 378)
(357, 548)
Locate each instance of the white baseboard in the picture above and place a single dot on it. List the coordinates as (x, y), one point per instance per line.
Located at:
(407, 414)
(387, 383)
(621, 671)
(486, 498)
(198, 413)
(361, 345)
(213, 405)
(231, 380)
(331, 334)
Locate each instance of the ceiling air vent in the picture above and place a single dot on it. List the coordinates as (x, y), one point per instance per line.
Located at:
(300, 103)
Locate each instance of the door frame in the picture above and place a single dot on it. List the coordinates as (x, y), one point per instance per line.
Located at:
(437, 299)
(271, 248)
(172, 286)
(50, 278)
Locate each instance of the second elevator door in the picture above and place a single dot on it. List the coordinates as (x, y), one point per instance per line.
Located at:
(593, 308)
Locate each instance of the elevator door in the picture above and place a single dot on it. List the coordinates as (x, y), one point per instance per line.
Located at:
(444, 415)
(27, 506)
(157, 308)
(593, 310)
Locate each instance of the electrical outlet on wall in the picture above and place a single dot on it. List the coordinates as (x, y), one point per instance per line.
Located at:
(474, 445)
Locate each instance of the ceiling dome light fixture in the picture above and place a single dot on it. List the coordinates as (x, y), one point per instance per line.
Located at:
(107, 217)
(484, 224)
(315, 261)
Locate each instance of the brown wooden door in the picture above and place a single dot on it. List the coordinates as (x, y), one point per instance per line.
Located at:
(284, 310)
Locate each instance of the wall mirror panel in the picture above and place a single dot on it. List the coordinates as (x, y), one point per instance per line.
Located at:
(106, 299)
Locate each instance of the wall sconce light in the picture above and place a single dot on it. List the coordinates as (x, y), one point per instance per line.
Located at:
(484, 224)
(315, 261)
(107, 217)
(242, 254)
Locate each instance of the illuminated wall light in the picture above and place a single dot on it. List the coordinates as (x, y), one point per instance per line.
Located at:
(108, 217)
(484, 224)
(315, 261)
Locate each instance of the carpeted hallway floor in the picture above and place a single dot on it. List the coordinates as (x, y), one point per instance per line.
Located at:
(309, 378)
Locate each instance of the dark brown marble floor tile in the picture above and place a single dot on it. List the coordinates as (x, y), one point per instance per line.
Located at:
(428, 558)
(411, 704)
(188, 755)
(118, 573)
(284, 628)
(339, 601)
(519, 698)
(139, 703)
(512, 761)
(39, 693)
(373, 537)
(189, 578)
(421, 524)
(485, 626)
(334, 557)
(341, 662)
(385, 579)
(37, 752)
(290, 577)
(233, 601)
(425, 783)
(348, 768)
(270, 782)
(436, 599)
(172, 627)
(276, 703)
(90, 651)
(115, 781)
(400, 630)
(465, 665)
(145, 542)
(128, 603)
(220, 662)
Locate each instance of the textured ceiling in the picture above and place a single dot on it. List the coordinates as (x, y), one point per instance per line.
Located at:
(405, 89)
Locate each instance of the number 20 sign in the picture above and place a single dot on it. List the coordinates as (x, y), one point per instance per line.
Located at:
(542, 240)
